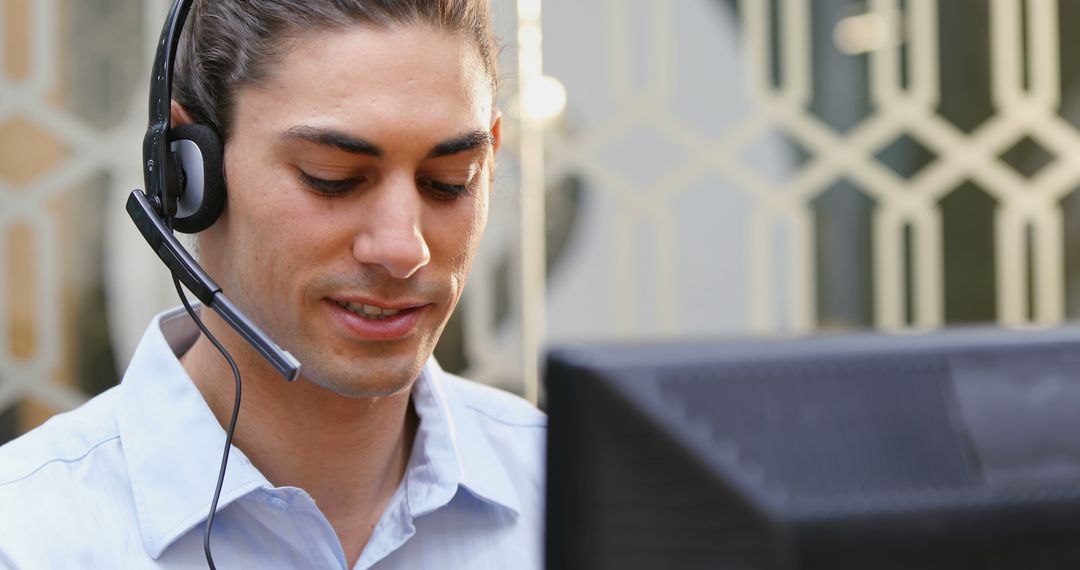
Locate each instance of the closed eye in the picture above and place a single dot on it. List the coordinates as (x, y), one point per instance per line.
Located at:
(444, 191)
(329, 187)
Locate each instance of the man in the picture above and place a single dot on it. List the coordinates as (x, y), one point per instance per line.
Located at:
(359, 152)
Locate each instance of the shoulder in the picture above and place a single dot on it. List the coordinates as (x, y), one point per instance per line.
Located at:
(65, 439)
(59, 479)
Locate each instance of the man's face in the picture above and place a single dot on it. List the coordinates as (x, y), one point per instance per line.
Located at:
(358, 179)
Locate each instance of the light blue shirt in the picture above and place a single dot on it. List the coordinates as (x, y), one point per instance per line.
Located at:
(125, 481)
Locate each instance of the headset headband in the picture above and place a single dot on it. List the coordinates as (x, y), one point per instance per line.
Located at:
(155, 143)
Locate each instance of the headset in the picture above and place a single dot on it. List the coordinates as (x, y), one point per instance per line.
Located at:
(185, 191)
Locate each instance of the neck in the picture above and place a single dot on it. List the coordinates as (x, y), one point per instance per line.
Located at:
(349, 454)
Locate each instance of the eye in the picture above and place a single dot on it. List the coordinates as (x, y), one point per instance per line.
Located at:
(444, 191)
(329, 187)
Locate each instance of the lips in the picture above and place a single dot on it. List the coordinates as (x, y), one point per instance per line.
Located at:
(374, 320)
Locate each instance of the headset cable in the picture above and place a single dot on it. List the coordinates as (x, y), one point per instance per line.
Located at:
(232, 420)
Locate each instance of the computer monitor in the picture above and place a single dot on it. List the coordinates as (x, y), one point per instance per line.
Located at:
(955, 450)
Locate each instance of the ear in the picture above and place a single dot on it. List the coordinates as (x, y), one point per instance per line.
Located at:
(496, 127)
(496, 135)
(179, 115)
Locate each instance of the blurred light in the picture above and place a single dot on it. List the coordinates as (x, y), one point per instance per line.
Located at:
(545, 98)
(528, 9)
(530, 38)
(863, 33)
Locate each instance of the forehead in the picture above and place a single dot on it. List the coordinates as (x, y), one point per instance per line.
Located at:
(407, 79)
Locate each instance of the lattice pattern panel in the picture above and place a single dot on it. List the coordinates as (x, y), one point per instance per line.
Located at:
(713, 202)
(66, 87)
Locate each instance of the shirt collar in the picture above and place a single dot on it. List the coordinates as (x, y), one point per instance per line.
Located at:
(172, 443)
(451, 449)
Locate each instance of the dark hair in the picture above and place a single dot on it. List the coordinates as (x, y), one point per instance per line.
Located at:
(228, 44)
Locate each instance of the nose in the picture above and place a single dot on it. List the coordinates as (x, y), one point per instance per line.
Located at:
(390, 236)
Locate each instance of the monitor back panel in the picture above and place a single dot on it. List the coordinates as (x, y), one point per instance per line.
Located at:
(951, 450)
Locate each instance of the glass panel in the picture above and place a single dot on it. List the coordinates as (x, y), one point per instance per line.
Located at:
(970, 265)
(964, 60)
(844, 249)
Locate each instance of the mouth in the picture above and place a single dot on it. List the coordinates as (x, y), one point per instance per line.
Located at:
(369, 320)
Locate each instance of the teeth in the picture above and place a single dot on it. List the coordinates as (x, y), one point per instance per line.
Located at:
(369, 311)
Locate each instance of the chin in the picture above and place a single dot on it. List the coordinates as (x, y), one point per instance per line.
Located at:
(387, 381)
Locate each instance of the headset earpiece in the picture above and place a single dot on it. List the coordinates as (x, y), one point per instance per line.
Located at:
(200, 193)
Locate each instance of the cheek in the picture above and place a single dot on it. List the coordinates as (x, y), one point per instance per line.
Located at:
(271, 230)
(453, 235)
(469, 232)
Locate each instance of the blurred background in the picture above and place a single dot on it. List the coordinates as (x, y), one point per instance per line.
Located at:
(673, 168)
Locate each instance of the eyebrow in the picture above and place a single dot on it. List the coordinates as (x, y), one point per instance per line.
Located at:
(468, 141)
(330, 137)
(355, 145)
